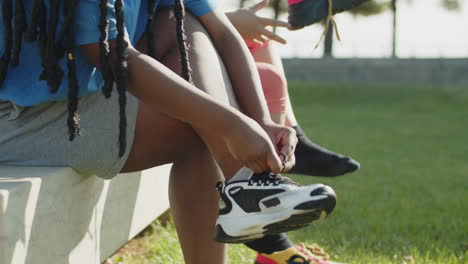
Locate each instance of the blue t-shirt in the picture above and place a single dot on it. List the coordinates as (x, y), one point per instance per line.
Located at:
(22, 85)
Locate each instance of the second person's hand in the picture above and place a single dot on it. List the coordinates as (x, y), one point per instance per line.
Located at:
(252, 28)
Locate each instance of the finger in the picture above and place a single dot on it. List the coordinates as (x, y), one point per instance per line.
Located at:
(289, 164)
(259, 6)
(258, 42)
(264, 39)
(262, 165)
(287, 143)
(284, 160)
(273, 36)
(274, 163)
(282, 157)
(273, 22)
(258, 166)
(253, 165)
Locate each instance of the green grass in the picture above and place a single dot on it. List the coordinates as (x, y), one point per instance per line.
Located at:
(409, 201)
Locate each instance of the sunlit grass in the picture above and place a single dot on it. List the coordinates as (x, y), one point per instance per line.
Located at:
(409, 201)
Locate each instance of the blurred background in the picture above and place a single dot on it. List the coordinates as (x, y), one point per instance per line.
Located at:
(381, 28)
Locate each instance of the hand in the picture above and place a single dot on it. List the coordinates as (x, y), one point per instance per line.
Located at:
(248, 142)
(285, 141)
(252, 28)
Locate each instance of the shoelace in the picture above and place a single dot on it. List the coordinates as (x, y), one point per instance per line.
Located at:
(219, 186)
(329, 19)
(267, 179)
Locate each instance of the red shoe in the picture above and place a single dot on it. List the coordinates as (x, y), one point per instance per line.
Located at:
(299, 254)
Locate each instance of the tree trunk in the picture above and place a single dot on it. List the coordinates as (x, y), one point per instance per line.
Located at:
(276, 8)
(241, 3)
(328, 42)
(394, 32)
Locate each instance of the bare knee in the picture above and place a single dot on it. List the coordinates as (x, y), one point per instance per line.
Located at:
(160, 139)
(187, 146)
(192, 151)
(274, 87)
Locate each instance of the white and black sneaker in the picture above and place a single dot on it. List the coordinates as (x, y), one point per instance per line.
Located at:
(253, 205)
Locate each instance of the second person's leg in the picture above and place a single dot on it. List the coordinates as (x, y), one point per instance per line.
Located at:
(311, 159)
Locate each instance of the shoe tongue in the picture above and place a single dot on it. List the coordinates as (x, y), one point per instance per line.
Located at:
(243, 174)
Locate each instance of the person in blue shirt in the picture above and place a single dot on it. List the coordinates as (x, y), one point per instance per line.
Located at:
(51, 87)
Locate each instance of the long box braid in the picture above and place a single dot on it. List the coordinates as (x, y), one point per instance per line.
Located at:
(179, 13)
(20, 28)
(152, 4)
(104, 50)
(73, 87)
(122, 74)
(7, 9)
(52, 72)
(37, 28)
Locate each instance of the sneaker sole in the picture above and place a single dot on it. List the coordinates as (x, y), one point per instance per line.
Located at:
(298, 217)
(309, 12)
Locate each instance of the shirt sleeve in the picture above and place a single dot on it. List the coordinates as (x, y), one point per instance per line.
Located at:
(199, 7)
(87, 21)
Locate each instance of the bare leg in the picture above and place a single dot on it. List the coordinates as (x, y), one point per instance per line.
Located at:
(270, 55)
(208, 74)
(195, 209)
(161, 139)
(274, 89)
(195, 200)
(311, 159)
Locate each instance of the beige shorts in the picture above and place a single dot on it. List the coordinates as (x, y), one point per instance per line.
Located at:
(38, 135)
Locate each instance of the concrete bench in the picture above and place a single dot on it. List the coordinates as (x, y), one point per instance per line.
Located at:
(54, 215)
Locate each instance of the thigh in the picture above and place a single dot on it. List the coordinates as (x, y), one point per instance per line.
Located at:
(208, 71)
(159, 139)
(270, 55)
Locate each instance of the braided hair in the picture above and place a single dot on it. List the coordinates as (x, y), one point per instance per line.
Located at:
(179, 13)
(104, 50)
(38, 26)
(73, 88)
(7, 7)
(52, 72)
(53, 47)
(122, 74)
(20, 28)
(152, 4)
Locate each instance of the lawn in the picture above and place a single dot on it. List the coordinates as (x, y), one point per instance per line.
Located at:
(409, 201)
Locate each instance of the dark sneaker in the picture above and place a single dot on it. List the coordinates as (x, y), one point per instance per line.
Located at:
(314, 160)
(253, 205)
(307, 12)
